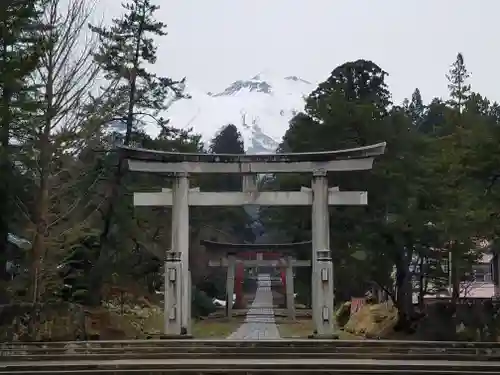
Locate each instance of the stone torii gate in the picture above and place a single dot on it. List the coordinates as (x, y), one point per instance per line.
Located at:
(226, 255)
(181, 165)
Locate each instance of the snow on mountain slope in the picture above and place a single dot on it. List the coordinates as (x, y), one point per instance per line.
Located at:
(260, 107)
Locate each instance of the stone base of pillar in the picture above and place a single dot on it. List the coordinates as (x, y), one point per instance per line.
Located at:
(175, 337)
(172, 298)
(316, 336)
(189, 306)
(323, 305)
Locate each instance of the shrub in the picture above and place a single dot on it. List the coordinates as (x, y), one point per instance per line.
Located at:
(201, 304)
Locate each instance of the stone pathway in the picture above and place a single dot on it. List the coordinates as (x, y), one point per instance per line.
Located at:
(259, 323)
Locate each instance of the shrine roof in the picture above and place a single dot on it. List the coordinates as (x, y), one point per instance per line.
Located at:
(223, 246)
(142, 154)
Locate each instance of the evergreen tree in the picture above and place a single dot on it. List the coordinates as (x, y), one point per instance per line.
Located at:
(20, 48)
(478, 105)
(433, 122)
(227, 141)
(356, 82)
(416, 108)
(349, 109)
(126, 48)
(457, 83)
(352, 100)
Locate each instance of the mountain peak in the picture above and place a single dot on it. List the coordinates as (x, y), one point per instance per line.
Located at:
(265, 82)
(251, 85)
(297, 79)
(260, 107)
(267, 75)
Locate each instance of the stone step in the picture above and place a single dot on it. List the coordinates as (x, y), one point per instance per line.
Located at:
(242, 350)
(246, 372)
(269, 355)
(206, 366)
(299, 343)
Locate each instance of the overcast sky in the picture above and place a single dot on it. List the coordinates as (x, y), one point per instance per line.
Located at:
(214, 42)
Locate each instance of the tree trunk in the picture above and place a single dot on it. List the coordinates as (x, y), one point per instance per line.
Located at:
(455, 277)
(5, 178)
(97, 276)
(42, 204)
(404, 291)
(39, 241)
(421, 282)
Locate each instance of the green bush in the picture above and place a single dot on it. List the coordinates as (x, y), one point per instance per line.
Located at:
(201, 304)
(303, 290)
(214, 286)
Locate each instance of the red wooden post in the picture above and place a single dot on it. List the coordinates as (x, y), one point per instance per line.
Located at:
(283, 278)
(238, 284)
(283, 281)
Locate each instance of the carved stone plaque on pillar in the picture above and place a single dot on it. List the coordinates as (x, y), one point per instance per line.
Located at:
(324, 303)
(172, 298)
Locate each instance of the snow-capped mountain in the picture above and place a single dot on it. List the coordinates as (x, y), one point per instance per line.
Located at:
(260, 107)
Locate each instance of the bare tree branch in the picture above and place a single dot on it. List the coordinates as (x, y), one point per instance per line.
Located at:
(67, 75)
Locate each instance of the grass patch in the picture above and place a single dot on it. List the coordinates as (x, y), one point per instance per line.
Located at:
(298, 329)
(112, 323)
(215, 329)
(302, 328)
(203, 329)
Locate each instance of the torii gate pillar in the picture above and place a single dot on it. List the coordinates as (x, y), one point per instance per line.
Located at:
(180, 245)
(322, 297)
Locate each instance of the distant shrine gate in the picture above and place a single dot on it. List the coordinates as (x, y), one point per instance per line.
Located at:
(319, 196)
(237, 257)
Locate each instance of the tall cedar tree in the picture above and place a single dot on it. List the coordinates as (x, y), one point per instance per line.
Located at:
(125, 49)
(227, 141)
(19, 55)
(349, 109)
(459, 196)
(457, 83)
(416, 108)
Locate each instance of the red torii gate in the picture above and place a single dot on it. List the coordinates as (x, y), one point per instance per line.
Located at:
(240, 271)
(249, 251)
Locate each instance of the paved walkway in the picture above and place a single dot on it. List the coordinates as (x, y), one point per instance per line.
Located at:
(259, 323)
